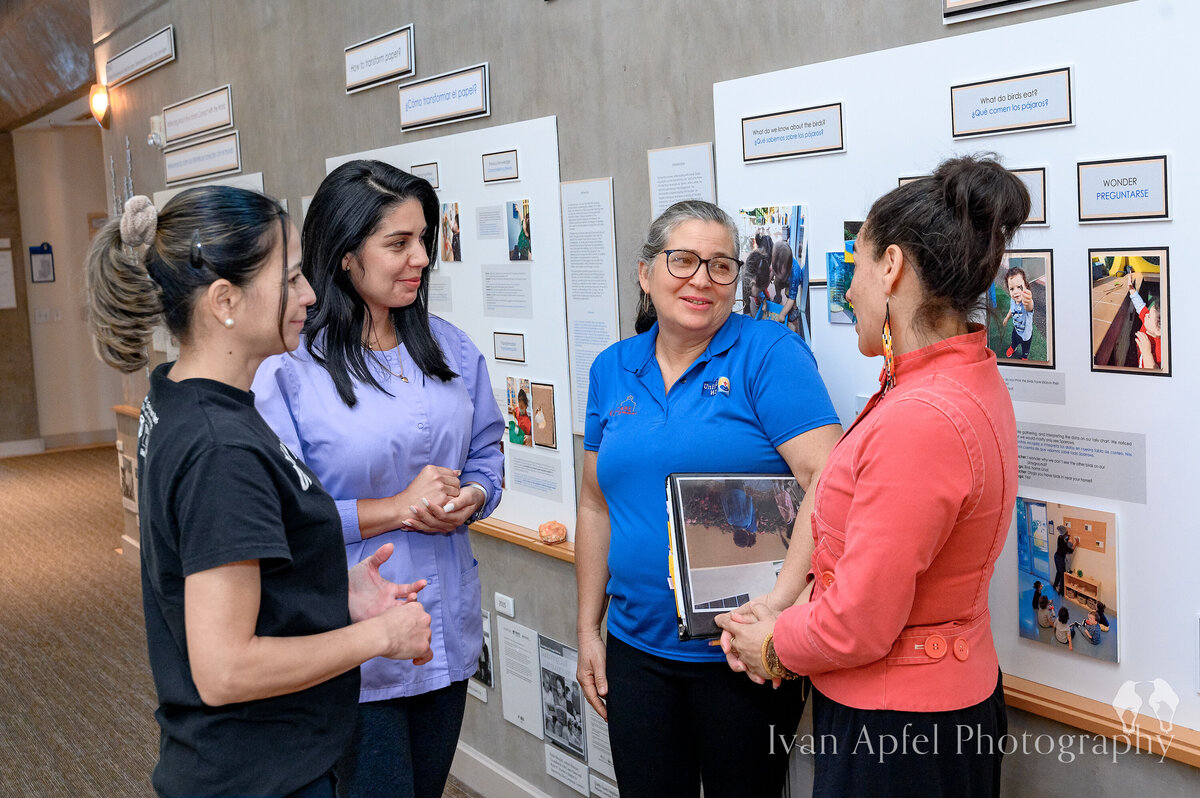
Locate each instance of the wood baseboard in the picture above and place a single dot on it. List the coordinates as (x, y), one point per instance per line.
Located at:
(1148, 734)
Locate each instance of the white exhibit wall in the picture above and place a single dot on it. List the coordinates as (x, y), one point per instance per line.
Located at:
(539, 481)
(1129, 63)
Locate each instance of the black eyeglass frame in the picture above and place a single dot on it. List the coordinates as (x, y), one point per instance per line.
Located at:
(702, 262)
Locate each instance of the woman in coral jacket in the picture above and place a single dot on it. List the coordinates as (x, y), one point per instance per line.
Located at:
(911, 512)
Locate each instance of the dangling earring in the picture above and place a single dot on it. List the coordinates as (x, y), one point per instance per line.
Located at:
(889, 357)
(229, 323)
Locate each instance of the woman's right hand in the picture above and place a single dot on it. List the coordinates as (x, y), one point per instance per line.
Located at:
(433, 487)
(591, 673)
(408, 635)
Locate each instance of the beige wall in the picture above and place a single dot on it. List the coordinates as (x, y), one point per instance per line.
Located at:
(18, 400)
(60, 180)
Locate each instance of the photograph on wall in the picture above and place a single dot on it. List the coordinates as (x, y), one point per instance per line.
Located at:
(729, 536)
(1020, 309)
(128, 483)
(1130, 311)
(562, 700)
(484, 674)
(544, 433)
(520, 422)
(451, 240)
(775, 275)
(838, 276)
(520, 246)
(1067, 577)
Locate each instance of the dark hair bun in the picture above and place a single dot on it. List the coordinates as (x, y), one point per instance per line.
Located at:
(953, 227)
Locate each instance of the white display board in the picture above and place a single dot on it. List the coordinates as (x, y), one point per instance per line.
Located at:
(897, 123)
(485, 292)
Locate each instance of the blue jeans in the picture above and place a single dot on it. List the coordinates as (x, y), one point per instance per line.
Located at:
(403, 747)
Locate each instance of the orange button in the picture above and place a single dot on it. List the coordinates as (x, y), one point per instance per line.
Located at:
(827, 579)
(935, 646)
(962, 649)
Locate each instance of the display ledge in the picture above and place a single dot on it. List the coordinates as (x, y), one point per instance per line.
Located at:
(1182, 744)
(527, 538)
(129, 411)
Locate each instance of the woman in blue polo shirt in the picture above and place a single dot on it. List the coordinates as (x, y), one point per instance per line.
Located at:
(691, 393)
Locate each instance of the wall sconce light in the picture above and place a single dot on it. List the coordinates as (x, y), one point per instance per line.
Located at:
(98, 102)
(158, 132)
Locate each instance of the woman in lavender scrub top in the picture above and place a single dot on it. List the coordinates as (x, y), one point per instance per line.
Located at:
(394, 411)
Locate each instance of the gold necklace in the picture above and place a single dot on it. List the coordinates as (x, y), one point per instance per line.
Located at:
(383, 362)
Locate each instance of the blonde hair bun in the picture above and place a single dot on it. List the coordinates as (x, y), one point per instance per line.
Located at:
(139, 222)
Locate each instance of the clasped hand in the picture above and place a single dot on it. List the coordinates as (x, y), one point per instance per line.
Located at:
(372, 596)
(742, 636)
(435, 501)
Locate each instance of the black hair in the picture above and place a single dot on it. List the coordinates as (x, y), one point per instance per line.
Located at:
(201, 235)
(1063, 615)
(348, 207)
(1037, 586)
(522, 397)
(954, 227)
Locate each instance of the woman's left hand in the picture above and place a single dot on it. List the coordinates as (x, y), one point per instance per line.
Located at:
(370, 593)
(744, 631)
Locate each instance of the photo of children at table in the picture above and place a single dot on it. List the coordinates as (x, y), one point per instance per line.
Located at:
(1130, 330)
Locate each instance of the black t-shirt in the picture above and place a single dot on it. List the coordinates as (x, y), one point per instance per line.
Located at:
(217, 486)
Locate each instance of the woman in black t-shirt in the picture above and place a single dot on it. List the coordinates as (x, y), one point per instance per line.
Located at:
(254, 628)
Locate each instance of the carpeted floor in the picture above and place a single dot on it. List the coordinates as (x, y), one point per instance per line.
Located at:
(76, 698)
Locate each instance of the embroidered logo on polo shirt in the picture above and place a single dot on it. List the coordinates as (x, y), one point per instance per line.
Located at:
(713, 387)
(626, 408)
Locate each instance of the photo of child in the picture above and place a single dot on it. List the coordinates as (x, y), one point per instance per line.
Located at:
(520, 246)
(1019, 305)
(775, 275)
(1129, 311)
(520, 423)
(451, 239)
(1067, 577)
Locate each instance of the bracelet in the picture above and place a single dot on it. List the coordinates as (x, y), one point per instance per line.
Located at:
(771, 662)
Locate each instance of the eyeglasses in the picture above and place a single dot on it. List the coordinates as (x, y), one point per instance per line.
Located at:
(683, 263)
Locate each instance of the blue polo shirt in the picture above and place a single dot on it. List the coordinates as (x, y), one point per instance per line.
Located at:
(755, 387)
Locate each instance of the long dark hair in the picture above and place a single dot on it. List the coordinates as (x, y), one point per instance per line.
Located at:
(347, 208)
(157, 268)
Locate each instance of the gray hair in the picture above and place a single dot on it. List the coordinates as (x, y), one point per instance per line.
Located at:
(658, 235)
(685, 211)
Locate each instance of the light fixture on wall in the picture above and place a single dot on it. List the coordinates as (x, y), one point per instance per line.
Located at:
(158, 132)
(98, 102)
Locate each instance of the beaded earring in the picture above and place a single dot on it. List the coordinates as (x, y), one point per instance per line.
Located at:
(889, 357)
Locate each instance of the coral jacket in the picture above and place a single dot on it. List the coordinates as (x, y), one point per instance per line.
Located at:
(911, 512)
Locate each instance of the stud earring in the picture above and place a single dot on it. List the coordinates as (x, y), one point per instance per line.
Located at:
(889, 357)
(229, 323)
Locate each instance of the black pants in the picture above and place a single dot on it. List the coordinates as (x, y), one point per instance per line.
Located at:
(1060, 568)
(403, 747)
(674, 724)
(889, 754)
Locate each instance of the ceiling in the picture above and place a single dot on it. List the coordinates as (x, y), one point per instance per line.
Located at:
(46, 58)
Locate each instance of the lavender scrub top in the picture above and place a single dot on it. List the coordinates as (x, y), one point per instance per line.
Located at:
(374, 450)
